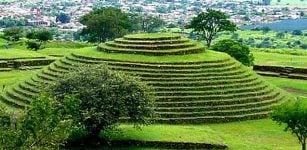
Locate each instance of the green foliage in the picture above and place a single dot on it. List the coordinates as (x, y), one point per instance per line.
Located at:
(8, 22)
(105, 23)
(105, 97)
(32, 44)
(280, 35)
(12, 34)
(44, 35)
(41, 126)
(294, 115)
(63, 18)
(210, 23)
(8, 135)
(38, 38)
(41, 35)
(235, 49)
(297, 32)
(149, 23)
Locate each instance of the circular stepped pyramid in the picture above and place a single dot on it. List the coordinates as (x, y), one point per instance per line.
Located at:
(207, 87)
(146, 44)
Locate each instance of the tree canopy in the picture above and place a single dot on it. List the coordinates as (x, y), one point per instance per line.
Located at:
(294, 116)
(104, 96)
(208, 24)
(41, 126)
(63, 18)
(13, 34)
(37, 38)
(235, 49)
(150, 23)
(106, 23)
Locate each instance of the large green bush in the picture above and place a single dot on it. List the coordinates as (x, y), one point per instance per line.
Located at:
(235, 49)
(105, 96)
(41, 126)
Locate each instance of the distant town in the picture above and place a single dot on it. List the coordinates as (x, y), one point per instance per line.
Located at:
(64, 15)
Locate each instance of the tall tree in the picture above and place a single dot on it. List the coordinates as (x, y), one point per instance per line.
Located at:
(105, 23)
(208, 24)
(294, 116)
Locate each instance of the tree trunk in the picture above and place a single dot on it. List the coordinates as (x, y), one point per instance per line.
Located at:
(304, 145)
(208, 43)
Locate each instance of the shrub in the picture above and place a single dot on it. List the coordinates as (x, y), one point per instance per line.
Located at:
(280, 35)
(38, 38)
(34, 45)
(105, 96)
(12, 34)
(294, 116)
(297, 32)
(235, 49)
(304, 46)
(42, 126)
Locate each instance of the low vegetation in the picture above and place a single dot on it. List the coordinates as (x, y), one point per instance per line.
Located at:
(102, 97)
(294, 115)
(235, 49)
(94, 101)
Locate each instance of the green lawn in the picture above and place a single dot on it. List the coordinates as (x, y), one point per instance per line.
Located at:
(19, 49)
(252, 135)
(296, 87)
(263, 58)
(153, 36)
(12, 77)
(17, 53)
(207, 55)
(255, 38)
(8, 79)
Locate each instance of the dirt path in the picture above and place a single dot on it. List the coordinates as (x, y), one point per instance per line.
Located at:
(297, 92)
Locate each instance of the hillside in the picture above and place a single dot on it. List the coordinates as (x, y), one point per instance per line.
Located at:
(192, 85)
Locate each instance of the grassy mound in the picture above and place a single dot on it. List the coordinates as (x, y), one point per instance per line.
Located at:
(152, 44)
(194, 88)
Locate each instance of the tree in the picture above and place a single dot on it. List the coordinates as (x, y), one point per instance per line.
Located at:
(294, 116)
(106, 23)
(44, 35)
(280, 35)
(149, 23)
(38, 38)
(304, 46)
(41, 126)
(104, 96)
(63, 18)
(34, 45)
(235, 49)
(297, 32)
(210, 23)
(12, 34)
(266, 29)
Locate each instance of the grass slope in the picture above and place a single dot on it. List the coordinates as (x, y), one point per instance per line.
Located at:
(12, 77)
(263, 58)
(251, 135)
(203, 56)
(296, 87)
(18, 49)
